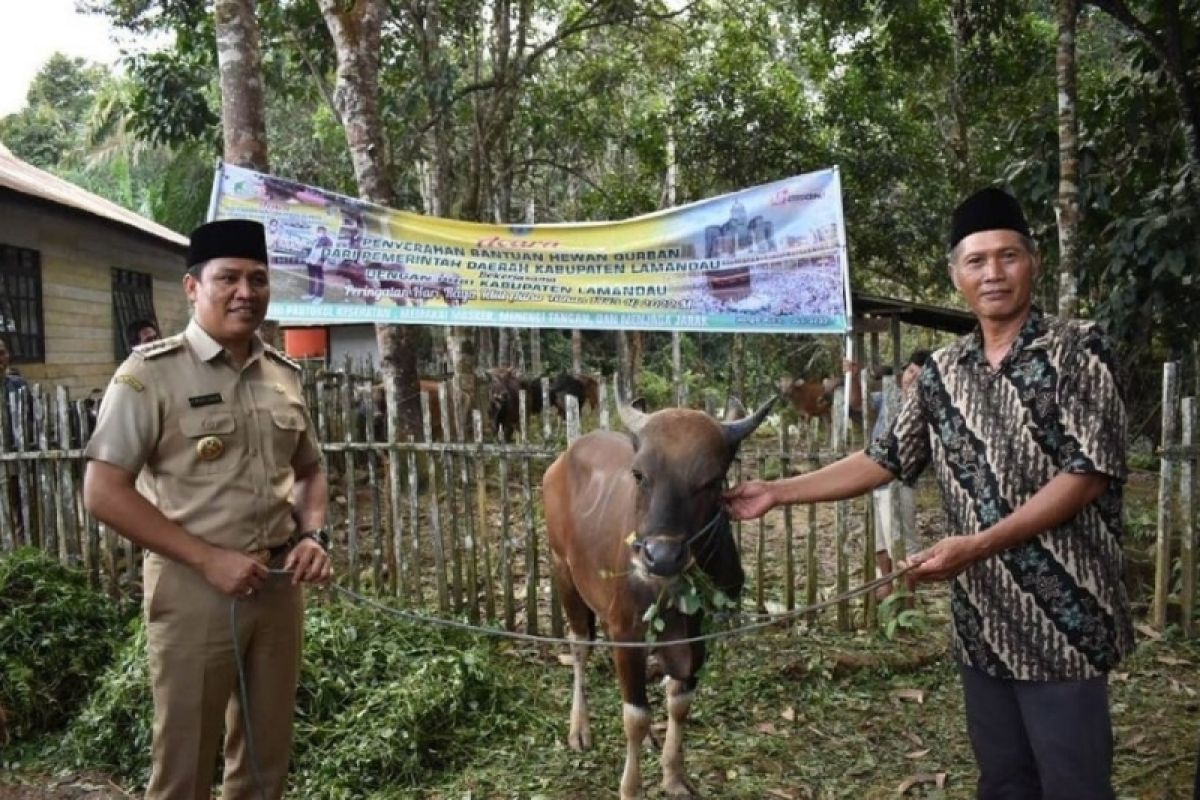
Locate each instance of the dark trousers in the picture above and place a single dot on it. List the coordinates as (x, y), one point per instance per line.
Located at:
(316, 280)
(1040, 739)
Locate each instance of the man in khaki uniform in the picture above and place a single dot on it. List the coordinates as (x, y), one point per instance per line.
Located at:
(215, 423)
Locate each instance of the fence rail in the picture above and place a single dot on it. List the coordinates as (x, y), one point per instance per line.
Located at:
(447, 523)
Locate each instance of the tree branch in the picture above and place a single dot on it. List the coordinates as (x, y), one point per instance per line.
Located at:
(1120, 11)
(322, 86)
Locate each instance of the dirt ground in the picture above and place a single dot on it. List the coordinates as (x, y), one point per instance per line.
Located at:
(75, 787)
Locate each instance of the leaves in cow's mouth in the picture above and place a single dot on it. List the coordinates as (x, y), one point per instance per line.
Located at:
(693, 592)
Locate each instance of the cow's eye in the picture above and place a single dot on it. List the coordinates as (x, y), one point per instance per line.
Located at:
(638, 477)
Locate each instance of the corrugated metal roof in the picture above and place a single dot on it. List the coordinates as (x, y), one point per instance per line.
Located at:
(28, 180)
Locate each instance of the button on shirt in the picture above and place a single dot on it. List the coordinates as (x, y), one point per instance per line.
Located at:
(220, 445)
(1053, 607)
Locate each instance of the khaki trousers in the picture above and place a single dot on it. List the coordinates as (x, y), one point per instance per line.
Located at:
(194, 678)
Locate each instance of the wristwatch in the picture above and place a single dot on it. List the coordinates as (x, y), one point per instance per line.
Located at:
(320, 536)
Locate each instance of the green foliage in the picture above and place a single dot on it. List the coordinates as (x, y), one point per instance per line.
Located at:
(57, 104)
(896, 618)
(170, 106)
(381, 703)
(56, 635)
(693, 592)
(384, 702)
(112, 731)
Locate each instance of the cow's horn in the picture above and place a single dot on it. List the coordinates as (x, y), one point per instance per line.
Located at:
(631, 418)
(736, 431)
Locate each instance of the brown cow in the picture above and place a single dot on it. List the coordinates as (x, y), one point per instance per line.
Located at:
(504, 399)
(811, 398)
(664, 485)
(428, 387)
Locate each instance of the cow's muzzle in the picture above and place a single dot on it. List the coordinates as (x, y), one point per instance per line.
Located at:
(664, 556)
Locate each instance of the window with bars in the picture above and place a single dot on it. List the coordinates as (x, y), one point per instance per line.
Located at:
(21, 304)
(133, 300)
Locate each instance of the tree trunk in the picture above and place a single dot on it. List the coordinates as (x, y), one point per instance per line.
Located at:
(243, 107)
(959, 135)
(1067, 208)
(738, 383)
(355, 28)
(636, 351)
(576, 351)
(460, 350)
(503, 349)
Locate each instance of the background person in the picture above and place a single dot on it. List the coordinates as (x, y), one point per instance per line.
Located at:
(215, 422)
(12, 379)
(314, 262)
(141, 331)
(1024, 426)
(889, 521)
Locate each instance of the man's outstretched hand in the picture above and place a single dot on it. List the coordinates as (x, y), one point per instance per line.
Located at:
(750, 500)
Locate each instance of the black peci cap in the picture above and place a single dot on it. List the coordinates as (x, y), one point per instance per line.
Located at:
(227, 238)
(988, 209)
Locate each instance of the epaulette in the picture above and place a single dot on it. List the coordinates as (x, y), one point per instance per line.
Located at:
(278, 356)
(159, 347)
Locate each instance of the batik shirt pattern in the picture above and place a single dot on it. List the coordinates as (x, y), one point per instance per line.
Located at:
(1053, 607)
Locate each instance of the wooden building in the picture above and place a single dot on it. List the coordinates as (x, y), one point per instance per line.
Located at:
(75, 270)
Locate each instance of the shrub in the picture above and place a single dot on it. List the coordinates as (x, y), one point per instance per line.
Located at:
(383, 702)
(112, 731)
(57, 635)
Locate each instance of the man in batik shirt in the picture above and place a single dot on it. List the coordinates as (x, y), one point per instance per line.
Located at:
(1024, 426)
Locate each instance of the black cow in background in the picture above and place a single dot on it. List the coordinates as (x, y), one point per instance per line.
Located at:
(584, 388)
(504, 400)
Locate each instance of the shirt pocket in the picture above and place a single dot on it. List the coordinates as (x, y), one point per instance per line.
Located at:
(287, 426)
(215, 440)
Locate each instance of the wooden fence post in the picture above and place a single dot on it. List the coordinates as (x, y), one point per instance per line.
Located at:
(395, 489)
(811, 567)
(345, 413)
(1166, 486)
(8, 513)
(435, 518)
(489, 594)
(449, 432)
(841, 510)
(789, 533)
(1187, 518)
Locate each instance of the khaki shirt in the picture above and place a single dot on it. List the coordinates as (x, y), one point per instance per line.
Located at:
(217, 447)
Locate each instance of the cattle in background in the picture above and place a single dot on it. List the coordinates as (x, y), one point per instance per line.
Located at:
(378, 407)
(504, 399)
(584, 387)
(734, 410)
(664, 484)
(810, 398)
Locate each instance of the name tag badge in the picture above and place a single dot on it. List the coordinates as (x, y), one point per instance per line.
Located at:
(199, 401)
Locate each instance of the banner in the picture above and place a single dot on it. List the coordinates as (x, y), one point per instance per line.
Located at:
(770, 258)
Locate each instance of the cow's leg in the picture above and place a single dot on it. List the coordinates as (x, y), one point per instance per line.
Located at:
(583, 626)
(679, 703)
(631, 672)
